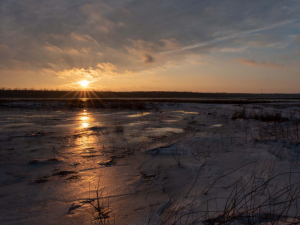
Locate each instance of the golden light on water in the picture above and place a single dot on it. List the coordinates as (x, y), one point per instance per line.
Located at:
(85, 125)
(85, 119)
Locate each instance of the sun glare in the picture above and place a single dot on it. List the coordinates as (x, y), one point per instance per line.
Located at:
(84, 83)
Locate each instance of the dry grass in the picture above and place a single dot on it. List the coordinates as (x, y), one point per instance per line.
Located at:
(244, 113)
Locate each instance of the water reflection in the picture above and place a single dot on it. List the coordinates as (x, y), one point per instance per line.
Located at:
(139, 114)
(217, 125)
(85, 119)
(85, 139)
(85, 125)
(187, 112)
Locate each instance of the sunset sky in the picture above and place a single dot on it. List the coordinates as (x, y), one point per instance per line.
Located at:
(151, 45)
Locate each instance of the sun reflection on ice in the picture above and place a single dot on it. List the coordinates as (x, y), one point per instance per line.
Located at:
(85, 125)
(85, 119)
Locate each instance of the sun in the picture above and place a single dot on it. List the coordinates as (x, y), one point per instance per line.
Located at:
(84, 83)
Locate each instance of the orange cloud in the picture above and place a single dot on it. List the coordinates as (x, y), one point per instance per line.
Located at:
(107, 67)
(4, 47)
(75, 73)
(53, 48)
(70, 51)
(84, 38)
(250, 62)
(90, 74)
(170, 44)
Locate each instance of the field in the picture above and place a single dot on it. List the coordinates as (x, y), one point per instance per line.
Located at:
(150, 162)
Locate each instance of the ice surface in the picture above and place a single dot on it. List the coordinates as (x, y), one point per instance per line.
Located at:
(183, 164)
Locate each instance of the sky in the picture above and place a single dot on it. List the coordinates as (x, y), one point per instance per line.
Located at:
(245, 46)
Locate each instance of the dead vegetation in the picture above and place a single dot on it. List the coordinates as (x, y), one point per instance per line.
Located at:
(245, 113)
(263, 198)
(41, 179)
(266, 197)
(100, 205)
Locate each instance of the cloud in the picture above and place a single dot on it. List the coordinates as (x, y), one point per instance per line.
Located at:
(148, 58)
(107, 67)
(139, 35)
(74, 73)
(4, 48)
(91, 74)
(209, 9)
(97, 21)
(297, 38)
(170, 44)
(254, 63)
(84, 38)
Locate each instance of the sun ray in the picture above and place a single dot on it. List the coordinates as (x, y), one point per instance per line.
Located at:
(98, 98)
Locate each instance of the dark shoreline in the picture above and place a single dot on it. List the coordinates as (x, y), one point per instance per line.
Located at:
(136, 104)
(130, 100)
(45, 94)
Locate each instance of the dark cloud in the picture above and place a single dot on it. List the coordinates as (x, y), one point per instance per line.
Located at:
(148, 58)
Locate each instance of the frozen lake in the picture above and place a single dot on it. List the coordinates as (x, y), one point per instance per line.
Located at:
(175, 163)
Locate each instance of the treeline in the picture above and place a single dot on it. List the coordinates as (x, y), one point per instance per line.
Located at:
(7, 93)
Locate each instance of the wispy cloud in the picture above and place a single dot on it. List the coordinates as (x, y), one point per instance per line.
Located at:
(84, 38)
(250, 62)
